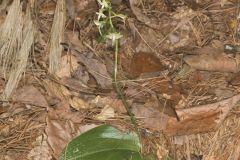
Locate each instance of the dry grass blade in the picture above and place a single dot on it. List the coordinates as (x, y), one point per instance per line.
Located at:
(20, 64)
(57, 36)
(11, 36)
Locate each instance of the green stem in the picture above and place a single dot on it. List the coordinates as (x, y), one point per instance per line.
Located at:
(117, 85)
(110, 18)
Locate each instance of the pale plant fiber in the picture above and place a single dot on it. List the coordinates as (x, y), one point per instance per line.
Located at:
(57, 36)
(17, 37)
(55, 50)
(11, 37)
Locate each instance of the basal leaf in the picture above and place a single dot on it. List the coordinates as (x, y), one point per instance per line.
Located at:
(103, 143)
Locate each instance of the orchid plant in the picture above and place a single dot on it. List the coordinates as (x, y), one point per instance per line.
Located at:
(104, 21)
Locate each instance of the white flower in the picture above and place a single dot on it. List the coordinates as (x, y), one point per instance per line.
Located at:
(100, 25)
(100, 14)
(123, 17)
(114, 36)
(103, 3)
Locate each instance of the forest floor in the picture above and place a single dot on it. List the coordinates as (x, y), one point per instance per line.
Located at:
(179, 66)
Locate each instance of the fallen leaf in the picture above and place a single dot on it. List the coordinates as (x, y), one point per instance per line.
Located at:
(97, 69)
(236, 153)
(106, 113)
(78, 103)
(223, 93)
(116, 104)
(142, 17)
(62, 126)
(210, 59)
(81, 9)
(13, 110)
(30, 95)
(162, 153)
(5, 130)
(63, 111)
(223, 2)
(72, 41)
(59, 133)
(144, 63)
(81, 74)
(40, 150)
(75, 84)
(200, 119)
(150, 117)
(147, 39)
(86, 128)
(68, 65)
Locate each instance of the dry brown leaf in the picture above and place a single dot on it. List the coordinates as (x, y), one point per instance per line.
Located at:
(87, 127)
(144, 63)
(68, 65)
(59, 133)
(116, 104)
(210, 59)
(81, 75)
(147, 39)
(150, 117)
(62, 126)
(200, 119)
(81, 9)
(141, 17)
(97, 69)
(63, 111)
(72, 39)
(5, 130)
(162, 153)
(30, 95)
(106, 113)
(223, 2)
(75, 84)
(78, 103)
(13, 110)
(236, 154)
(40, 150)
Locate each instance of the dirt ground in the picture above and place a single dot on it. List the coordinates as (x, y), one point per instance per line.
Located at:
(179, 69)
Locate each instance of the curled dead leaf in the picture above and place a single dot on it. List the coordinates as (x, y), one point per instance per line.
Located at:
(211, 60)
(106, 113)
(78, 103)
(63, 111)
(116, 104)
(200, 119)
(68, 65)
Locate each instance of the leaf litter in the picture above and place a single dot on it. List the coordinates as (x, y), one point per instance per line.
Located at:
(172, 66)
